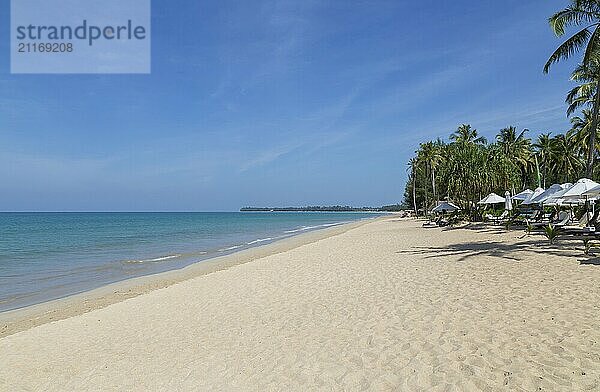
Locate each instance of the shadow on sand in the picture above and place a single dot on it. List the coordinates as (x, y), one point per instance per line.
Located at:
(468, 250)
(564, 246)
(591, 261)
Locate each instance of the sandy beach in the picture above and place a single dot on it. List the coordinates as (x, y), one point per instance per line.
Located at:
(383, 305)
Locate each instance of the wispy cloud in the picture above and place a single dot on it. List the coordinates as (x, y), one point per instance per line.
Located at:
(267, 156)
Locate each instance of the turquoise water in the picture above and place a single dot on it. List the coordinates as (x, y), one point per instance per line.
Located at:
(44, 256)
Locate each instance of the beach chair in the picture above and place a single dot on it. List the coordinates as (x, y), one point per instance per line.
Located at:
(521, 217)
(533, 216)
(567, 216)
(430, 224)
(561, 220)
(583, 222)
(497, 219)
(587, 224)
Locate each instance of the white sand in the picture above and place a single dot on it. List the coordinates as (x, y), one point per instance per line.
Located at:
(384, 306)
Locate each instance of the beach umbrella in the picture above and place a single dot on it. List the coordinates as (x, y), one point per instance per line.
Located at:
(579, 188)
(445, 206)
(537, 192)
(575, 194)
(507, 202)
(492, 198)
(555, 188)
(523, 195)
(557, 198)
(594, 192)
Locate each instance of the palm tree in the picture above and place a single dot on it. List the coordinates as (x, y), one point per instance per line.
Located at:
(544, 149)
(584, 14)
(465, 134)
(584, 94)
(466, 166)
(580, 131)
(412, 165)
(515, 153)
(431, 154)
(565, 160)
(421, 161)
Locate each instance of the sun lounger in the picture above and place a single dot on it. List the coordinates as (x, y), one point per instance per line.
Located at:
(497, 219)
(587, 224)
(562, 219)
(521, 218)
(583, 222)
(534, 216)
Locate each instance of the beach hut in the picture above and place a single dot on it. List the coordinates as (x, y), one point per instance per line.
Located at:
(445, 206)
(492, 198)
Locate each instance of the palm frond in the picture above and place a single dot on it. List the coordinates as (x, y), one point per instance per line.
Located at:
(593, 47)
(568, 48)
(570, 16)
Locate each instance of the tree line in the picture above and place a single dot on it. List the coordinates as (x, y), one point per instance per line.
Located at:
(469, 167)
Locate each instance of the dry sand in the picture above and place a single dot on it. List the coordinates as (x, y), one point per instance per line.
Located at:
(383, 306)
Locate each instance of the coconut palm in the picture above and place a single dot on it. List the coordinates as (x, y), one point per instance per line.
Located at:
(579, 134)
(465, 134)
(584, 15)
(515, 155)
(584, 94)
(566, 162)
(517, 147)
(412, 166)
(431, 153)
(543, 150)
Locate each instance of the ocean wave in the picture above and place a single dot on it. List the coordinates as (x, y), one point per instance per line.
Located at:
(155, 260)
(259, 240)
(230, 248)
(304, 228)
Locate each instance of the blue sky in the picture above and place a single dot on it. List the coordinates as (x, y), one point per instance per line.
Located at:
(275, 103)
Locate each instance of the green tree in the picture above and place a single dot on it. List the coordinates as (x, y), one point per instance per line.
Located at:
(585, 16)
(431, 156)
(413, 166)
(543, 149)
(580, 132)
(517, 154)
(466, 135)
(566, 161)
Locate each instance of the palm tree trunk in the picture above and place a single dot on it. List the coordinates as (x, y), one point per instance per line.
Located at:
(425, 207)
(414, 192)
(537, 170)
(544, 175)
(592, 139)
(433, 184)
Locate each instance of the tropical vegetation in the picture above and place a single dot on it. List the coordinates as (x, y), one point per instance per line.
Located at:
(467, 167)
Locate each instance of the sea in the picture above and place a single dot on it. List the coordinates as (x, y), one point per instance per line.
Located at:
(46, 256)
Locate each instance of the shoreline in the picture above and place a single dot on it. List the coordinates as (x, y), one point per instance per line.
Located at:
(21, 319)
(377, 305)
